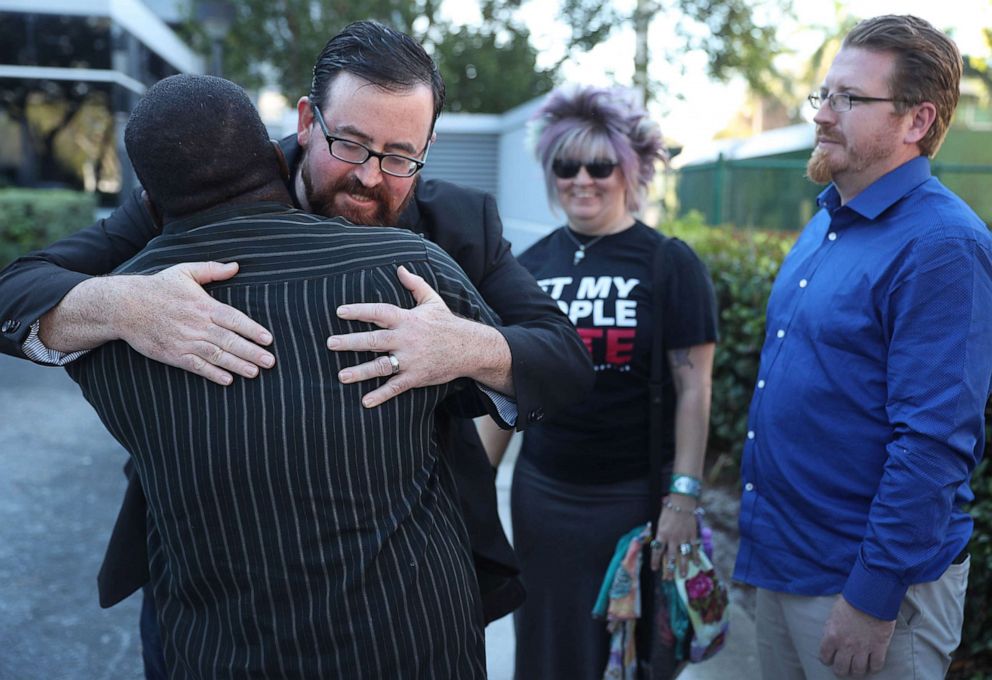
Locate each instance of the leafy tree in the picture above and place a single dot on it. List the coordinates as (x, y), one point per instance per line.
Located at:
(493, 67)
(980, 67)
(275, 42)
(727, 31)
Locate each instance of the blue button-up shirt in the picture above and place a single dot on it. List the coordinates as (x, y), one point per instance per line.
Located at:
(868, 415)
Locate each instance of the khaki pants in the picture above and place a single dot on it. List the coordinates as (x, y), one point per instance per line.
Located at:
(928, 629)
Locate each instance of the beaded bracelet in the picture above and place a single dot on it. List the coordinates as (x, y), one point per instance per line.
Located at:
(687, 485)
(699, 512)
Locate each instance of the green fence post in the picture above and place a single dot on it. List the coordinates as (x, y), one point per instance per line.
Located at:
(718, 190)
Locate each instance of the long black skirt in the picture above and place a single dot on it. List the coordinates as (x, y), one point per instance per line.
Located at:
(565, 535)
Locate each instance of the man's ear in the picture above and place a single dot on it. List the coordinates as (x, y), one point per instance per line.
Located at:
(281, 160)
(923, 117)
(152, 209)
(304, 121)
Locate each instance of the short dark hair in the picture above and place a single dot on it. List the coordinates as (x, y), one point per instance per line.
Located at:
(381, 55)
(928, 67)
(196, 141)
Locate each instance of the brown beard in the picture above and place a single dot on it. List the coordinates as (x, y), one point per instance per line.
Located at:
(322, 203)
(818, 168)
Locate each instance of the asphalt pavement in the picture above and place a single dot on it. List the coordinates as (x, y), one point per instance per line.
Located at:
(60, 488)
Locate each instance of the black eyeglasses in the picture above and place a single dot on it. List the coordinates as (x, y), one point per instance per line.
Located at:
(565, 169)
(842, 101)
(348, 151)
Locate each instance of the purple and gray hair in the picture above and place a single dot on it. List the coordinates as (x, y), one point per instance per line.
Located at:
(593, 123)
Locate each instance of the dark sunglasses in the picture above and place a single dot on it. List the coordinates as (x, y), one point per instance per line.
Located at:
(564, 169)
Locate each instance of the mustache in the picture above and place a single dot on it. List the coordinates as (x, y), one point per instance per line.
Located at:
(322, 200)
(350, 184)
(821, 135)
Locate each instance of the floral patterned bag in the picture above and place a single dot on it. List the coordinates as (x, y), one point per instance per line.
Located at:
(704, 597)
(691, 616)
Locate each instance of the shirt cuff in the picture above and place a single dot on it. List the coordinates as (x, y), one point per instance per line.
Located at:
(506, 407)
(875, 594)
(35, 350)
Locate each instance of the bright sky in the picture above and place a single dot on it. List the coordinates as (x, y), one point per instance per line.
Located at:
(706, 107)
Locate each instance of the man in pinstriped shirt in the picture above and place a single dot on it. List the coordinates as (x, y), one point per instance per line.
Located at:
(292, 533)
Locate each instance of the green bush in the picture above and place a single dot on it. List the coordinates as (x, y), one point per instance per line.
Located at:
(743, 265)
(33, 218)
(973, 660)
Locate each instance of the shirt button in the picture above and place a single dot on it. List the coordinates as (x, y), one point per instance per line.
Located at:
(832, 236)
(761, 384)
(802, 284)
(750, 434)
(780, 334)
(749, 487)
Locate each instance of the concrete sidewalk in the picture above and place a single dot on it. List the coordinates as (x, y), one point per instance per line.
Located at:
(738, 660)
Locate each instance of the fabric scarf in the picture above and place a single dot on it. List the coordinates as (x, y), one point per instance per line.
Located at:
(619, 602)
(691, 616)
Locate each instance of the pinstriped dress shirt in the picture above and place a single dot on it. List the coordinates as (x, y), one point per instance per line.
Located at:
(293, 533)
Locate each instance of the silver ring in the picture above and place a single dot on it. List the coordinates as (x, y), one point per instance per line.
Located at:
(656, 544)
(395, 363)
(670, 565)
(685, 549)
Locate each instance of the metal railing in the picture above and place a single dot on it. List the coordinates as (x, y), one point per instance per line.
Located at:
(774, 193)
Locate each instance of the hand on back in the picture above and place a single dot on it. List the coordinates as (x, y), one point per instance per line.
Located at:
(168, 317)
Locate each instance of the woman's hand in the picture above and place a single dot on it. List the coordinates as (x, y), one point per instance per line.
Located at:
(676, 537)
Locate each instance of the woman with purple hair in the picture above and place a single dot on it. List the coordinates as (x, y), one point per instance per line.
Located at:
(582, 479)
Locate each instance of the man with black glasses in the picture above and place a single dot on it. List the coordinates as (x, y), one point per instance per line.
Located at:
(375, 88)
(868, 415)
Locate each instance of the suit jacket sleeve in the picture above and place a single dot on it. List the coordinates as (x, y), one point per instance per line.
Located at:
(35, 283)
(460, 295)
(551, 367)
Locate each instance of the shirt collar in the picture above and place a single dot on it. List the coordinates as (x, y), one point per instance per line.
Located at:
(881, 194)
(221, 213)
(294, 154)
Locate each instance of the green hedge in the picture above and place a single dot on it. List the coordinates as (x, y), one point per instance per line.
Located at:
(973, 660)
(743, 265)
(33, 218)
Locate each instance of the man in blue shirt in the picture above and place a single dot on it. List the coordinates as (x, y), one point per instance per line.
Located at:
(867, 419)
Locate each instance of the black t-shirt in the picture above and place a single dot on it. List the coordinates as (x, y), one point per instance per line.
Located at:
(608, 296)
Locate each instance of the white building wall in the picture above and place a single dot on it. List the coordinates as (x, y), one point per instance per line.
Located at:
(519, 181)
(466, 151)
(522, 198)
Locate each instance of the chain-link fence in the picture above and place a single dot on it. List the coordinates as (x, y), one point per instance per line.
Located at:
(774, 193)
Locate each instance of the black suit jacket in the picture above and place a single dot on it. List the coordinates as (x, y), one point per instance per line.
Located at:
(551, 367)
